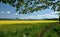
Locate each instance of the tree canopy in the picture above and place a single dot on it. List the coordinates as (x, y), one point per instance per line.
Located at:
(29, 6)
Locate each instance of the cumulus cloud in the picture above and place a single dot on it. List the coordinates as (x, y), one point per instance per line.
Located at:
(43, 16)
(57, 12)
(49, 15)
(8, 12)
(2, 12)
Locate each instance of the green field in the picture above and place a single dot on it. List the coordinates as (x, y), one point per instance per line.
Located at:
(40, 29)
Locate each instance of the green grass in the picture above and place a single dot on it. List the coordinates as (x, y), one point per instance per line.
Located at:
(28, 30)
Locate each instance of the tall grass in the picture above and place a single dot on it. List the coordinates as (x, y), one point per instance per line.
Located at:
(27, 30)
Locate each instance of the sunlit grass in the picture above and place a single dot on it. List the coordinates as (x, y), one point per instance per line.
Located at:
(16, 22)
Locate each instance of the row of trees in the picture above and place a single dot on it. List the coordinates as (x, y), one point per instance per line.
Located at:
(29, 6)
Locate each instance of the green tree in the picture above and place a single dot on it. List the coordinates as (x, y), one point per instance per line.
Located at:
(29, 6)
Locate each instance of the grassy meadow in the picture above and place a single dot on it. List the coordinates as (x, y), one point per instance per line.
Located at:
(30, 28)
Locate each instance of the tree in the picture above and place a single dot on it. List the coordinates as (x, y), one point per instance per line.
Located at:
(29, 6)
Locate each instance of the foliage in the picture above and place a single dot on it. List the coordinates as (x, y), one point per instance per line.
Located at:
(27, 6)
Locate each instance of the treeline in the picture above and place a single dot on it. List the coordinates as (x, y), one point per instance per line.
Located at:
(28, 19)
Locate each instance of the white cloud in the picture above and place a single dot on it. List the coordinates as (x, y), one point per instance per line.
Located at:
(8, 12)
(41, 16)
(2, 12)
(45, 16)
(57, 12)
(50, 16)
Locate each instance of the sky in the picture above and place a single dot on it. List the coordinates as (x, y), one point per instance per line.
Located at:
(7, 11)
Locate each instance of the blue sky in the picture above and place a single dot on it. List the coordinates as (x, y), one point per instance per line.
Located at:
(7, 11)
